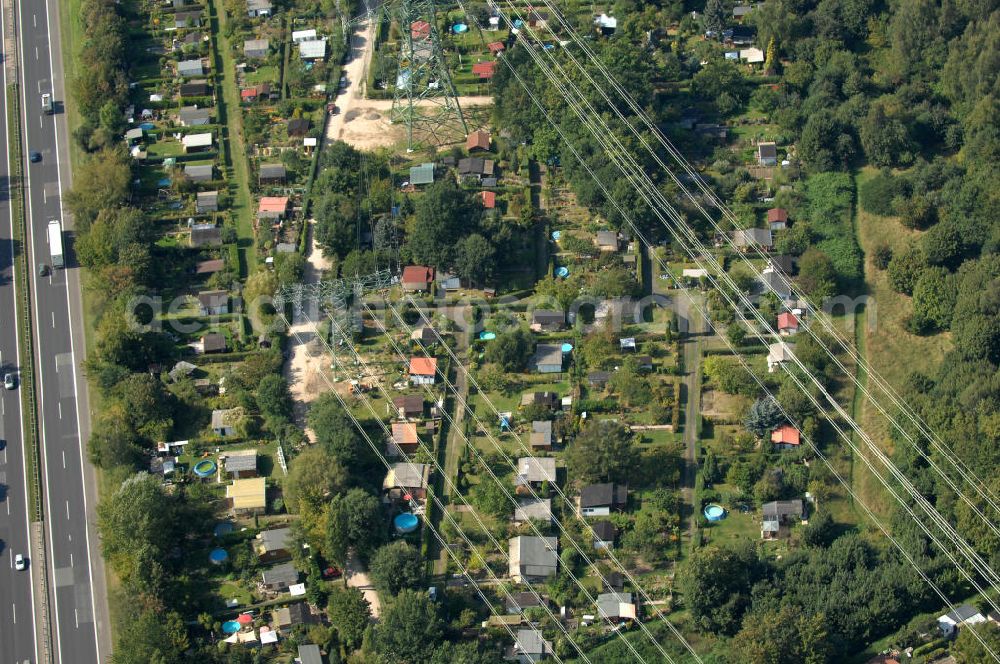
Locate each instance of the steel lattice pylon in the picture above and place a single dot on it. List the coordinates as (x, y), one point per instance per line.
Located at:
(329, 298)
(424, 96)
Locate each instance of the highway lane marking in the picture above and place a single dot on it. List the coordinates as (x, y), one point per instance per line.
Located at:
(19, 46)
(71, 560)
(36, 53)
(53, 319)
(76, 616)
(64, 459)
(13, 611)
(67, 510)
(59, 406)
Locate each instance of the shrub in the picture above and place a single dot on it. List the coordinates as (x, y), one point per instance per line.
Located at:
(878, 193)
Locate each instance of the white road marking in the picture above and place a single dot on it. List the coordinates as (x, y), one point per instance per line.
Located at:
(59, 406)
(64, 459)
(11, 552)
(3, 407)
(71, 560)
(53, 319)
(42, 126)
(8, 506)
(36, 53)
(76, 617)
(13, 611)
(67, 510)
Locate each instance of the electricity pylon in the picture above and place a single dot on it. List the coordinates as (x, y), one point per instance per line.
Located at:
(423, 96)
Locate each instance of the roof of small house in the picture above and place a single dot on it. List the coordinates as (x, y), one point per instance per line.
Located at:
(598, 377)
(303, 35)
(293, 614)
(777, 214)
(275, 539)
(531, 642)
(404, 433)
(213, 298)
(767, 150)
(213, 341)
(274, 204)
(542, 426)
(604, 494)
(786, 434)
(752, 55)
(258, 5)
(787, 321)
(422, 174)
(495, 47)
(547, 399)
(197, 140)
(240, 460)
(424, 334)
(191, 67)
(285, 573)
(199, 170)
(417, 274)
(536, 469)
(547, 317)
(222, 417)
(750, 236)
(606, 239)
(407, 475)
(540, 508)
(517, 602)
(247, 494)
(741, 10)
(312, 49)
(961, 614)
(206, 234)
(310, 654)
(190, 114)
(194, 88)
(783, 508)
(409, 403)
(423, 366)
(533, 556)
(604, 531)
(780, 352)
(782, 262)
(548, 354)
(208, 197)
(616, 605)
(489, 199)
(478, 140)
(256, 45)
(272, 170)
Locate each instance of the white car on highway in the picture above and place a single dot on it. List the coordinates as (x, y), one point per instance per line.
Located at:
(19, 562)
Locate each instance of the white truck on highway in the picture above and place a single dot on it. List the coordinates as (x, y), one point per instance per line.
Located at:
(56, 243)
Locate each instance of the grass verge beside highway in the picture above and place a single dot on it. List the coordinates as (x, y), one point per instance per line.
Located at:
(20, 267)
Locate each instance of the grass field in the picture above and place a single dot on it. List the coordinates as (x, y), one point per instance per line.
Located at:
(891, 350)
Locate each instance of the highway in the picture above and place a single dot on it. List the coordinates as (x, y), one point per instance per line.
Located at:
(17, 615)
(78, 617)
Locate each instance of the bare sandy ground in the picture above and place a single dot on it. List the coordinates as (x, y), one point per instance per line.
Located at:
(364, 123)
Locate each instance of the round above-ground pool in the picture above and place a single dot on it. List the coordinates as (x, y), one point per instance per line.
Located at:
(459, 28)
(223, 528)
(567, 348)
(204, 468)
(487, 336)
(405, 523)
(218, 556)
(562, 272)
(715, 512)
(556, 235)
(230, 627)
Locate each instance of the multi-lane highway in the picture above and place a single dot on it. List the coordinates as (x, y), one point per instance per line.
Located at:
(77, 614)
(17, 615)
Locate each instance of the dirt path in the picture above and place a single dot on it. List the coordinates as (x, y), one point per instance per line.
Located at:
(358, 578)
(307, 361)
